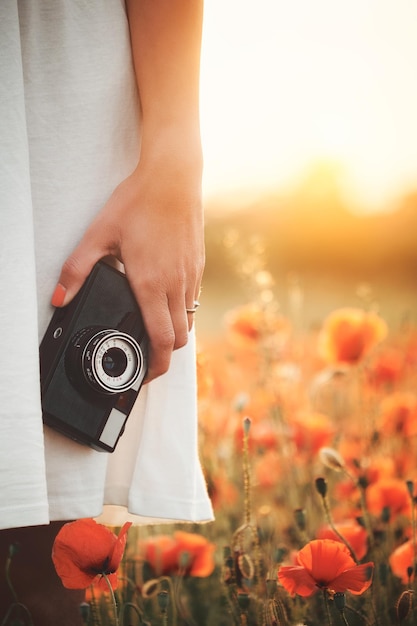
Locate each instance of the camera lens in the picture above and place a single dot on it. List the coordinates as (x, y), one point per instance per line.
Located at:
(114, 362)
(110, 361)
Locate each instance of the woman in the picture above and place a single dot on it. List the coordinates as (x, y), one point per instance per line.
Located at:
(99, 171)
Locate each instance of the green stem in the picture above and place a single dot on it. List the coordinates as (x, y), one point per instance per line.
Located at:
(8, 577)
(326, 603)
(246, 478)
(171, 590)
(343, 616)
(364, 508)
(334, 529)
(113, 598)
(413, 523)
(19, 606)
(130, 606)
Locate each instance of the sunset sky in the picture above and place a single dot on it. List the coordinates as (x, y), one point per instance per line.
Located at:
(286, 83)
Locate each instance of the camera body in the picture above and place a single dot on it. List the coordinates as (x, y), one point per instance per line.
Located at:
(93, 359)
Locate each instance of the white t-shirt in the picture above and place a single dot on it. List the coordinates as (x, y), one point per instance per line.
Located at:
(64, 147)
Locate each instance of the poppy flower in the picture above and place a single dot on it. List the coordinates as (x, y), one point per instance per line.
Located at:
(354, 533)
(268, 469)
(387, 367)
(183, 552)
(401, 561)
(250, 323)
(223, 493)
(391, 494)
(312, 431)
(84, 550)
(399, 414)
(325, 564)
(349, 334)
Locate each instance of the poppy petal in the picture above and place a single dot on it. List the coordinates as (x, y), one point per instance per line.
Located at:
(118, 548)
(200, 552)
(204, 562)
(71, 575)
(325, 559)
(84, 549)
(297, 580)
(160, 552)
(104, 586)
(402, 559)
(356, 580)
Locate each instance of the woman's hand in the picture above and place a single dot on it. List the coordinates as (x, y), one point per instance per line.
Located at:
(152, 223)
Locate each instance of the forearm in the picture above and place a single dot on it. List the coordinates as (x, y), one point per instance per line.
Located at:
(166, 42)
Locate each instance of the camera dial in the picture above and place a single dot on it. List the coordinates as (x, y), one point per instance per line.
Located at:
(110, 361)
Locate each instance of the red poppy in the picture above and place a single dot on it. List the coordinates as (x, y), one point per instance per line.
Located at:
(250, 323)
(391, 494)
(387, 367)
(268, 469)
(401, 561)
(399, 414)
(354, 533)
(84, 550)
(312, 431)
(348, 334)
(325, 564)
(184, 552)
(223, 493)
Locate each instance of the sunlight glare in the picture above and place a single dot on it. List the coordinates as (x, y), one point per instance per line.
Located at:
(285, 84)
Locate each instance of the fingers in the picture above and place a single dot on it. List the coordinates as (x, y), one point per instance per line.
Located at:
(159, 327)
(167, 324)
(73, 274)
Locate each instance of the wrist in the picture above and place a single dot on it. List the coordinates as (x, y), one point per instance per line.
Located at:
(175, 146)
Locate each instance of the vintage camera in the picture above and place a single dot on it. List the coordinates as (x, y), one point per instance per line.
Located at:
(93, 359)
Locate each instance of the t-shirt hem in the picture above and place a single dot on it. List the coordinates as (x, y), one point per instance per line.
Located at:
(23, 516)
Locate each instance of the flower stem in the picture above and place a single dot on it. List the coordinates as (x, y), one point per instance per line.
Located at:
(343, 616)
(113, 598)
(362, 496)
(246, 471)
(410, 487)
(326, 602)
(334, 529)
(12, 551)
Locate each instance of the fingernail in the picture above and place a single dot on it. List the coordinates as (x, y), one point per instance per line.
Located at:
(59, 295)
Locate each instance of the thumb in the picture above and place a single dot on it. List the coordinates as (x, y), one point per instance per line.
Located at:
(73, 274)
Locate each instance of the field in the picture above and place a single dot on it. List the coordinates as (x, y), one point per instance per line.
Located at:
(307, 372)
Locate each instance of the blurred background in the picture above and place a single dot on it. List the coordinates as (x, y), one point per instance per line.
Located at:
(309, 121)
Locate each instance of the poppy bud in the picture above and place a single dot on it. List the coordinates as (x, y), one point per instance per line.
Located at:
(243, 601)
(280, 553)
(331, 459)
(404, 605)
(85, 611)
(386, 514)
(362, 482)
(300, 519)
(163, 601)
(246, 425)
(321, 486)
(339, 600)
(410, 487)
(14, 548)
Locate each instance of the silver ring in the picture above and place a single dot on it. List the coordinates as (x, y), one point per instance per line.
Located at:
(195, 307)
